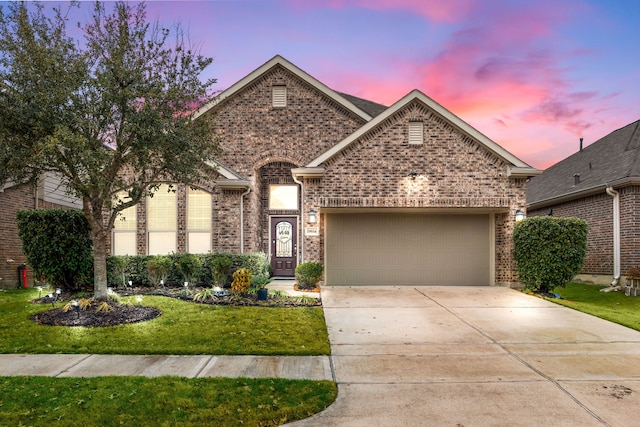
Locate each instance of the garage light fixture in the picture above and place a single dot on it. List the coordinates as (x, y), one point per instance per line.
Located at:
(313, 217)
(520, 215)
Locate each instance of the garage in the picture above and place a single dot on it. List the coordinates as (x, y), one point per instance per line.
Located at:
(377, 248)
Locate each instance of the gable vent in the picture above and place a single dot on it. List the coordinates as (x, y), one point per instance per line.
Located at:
(416, 133)
(279, 96)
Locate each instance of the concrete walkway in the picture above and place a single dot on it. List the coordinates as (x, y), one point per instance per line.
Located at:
(463, 356)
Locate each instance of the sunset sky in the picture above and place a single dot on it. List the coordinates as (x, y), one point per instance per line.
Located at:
(534, 76)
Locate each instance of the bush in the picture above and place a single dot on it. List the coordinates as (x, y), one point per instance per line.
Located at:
(549, 251)
(241, 281)
(158, 269)
(221, 268)
(189, 266)
(308, 274)
(57, 244)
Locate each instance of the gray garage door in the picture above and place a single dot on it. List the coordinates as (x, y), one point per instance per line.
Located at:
(407, 249)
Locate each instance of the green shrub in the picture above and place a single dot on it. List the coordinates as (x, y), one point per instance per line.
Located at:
(308, 274)
(241, 281)
(158, 269)
(549, 251)
(57, 244)
(221, 268)
(189, 266)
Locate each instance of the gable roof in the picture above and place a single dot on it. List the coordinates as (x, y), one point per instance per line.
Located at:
(517, 166)
(613, 160)
(280, 61)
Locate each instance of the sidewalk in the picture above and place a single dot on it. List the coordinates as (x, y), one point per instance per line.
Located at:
(93, 365)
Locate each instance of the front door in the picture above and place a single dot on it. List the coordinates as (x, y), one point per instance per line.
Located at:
(284, 246)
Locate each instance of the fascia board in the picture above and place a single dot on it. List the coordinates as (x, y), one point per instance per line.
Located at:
(279, 60)
(233, 184)
(307, 172)
(439, 109)
(223, 170)
(519, 172)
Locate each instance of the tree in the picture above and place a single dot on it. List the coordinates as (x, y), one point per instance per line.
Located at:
(110, 111)
(549, 251)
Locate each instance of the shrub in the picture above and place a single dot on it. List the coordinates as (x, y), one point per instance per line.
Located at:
(58, 247)
(189, 267)
(221, 268)
(549, 251)
(241, 281)
(158, 268)
(308, 274)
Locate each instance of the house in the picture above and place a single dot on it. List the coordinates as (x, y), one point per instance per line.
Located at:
(599, 183)
(48, 193)
(408, 194)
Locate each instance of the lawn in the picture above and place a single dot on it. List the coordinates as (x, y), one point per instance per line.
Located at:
(164, 401)
(612, 306)
(183, 328)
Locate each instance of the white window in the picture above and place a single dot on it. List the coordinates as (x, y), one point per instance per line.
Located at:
(283, 197)
(124, 240)
(162, 221)
(279, 96)
(198, 222)
(416, 133)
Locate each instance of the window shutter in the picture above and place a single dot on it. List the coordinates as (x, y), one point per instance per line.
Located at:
(279, 96)
(416, 133)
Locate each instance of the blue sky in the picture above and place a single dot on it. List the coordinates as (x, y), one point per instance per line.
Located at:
(532, 76)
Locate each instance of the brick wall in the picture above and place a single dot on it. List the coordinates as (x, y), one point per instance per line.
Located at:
(454, 171)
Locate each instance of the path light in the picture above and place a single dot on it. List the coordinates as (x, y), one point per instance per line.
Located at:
(52, 300)
(186, 285)
(74, 303)
(139, 299)
(39, 288)
(130, 283)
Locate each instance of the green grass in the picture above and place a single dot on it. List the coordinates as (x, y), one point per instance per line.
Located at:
(164, 401)
(612, 306)
(183, 328)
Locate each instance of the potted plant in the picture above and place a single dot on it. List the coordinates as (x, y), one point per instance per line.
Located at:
(260, 281)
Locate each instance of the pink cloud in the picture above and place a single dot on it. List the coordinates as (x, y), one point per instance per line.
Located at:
(434, 10)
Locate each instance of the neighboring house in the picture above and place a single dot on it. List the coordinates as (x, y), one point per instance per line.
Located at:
(600, 184)
(13, 198)
(403, 195)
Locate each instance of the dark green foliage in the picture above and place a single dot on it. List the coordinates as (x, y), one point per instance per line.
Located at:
(308, 274)
(57, 245)
(189, 266)
(549, 251)
(158, 268)
(137, 269)
(221, 269)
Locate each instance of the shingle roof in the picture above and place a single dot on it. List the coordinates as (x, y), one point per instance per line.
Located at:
(369, 107)
(615, 157)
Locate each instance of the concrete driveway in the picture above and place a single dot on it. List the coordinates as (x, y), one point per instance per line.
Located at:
(475, 356)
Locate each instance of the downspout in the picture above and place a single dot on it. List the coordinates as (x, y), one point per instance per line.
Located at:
(616, 235)
(301, 217)
(242, 219)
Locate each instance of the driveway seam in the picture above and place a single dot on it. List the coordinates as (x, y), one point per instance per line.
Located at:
(516, 357)
(73, 365)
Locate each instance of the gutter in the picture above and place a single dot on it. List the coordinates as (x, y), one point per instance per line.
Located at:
(295, 179)
(616, 234)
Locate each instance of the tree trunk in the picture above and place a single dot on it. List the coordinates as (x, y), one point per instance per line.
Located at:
(99, 265)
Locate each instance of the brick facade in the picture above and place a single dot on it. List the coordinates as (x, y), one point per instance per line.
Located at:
(597, 210)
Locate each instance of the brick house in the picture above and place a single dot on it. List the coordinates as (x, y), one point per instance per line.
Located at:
(408, 194)
(600, 184)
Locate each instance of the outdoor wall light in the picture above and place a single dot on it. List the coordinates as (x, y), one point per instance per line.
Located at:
(313, 217)
(520, 215)
(413, 175)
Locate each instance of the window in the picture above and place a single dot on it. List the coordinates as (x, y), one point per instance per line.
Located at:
(279, 96)
(416, 133)
(283, 197)
(198, 222)
(162, 221)
(124, 240)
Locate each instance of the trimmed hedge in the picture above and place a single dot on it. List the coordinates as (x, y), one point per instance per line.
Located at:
(57, 244)
(308, 274)
(135, 268)
(549, 251)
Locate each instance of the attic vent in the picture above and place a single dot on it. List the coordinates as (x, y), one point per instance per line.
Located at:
(416, 133)
(279, 96)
